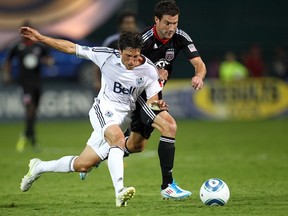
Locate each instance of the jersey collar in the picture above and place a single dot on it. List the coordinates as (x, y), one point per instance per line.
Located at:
(157, 37)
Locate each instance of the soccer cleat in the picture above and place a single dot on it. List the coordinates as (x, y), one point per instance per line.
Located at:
(125, 195)
(21, 143)
(31, 176)
(173, 191)
(83, 175)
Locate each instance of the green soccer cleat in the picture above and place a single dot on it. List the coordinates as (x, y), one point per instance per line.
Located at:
(22, 142)
(31, 176)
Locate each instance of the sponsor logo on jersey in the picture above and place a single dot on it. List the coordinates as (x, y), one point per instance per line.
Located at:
(139, 81)
(119, 89)
(170, 54)
(30, 61)
(155, 46)
(161, 63)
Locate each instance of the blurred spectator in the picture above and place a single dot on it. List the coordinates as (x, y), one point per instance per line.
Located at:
(279, 64)
(30, 56)
(213, 67)
(231, 69)
(127, 21)
(254, 61)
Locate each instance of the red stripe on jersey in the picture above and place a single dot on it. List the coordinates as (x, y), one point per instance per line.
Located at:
(157, 37)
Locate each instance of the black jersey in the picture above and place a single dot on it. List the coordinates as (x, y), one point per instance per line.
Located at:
(163, 53)
(29, 60)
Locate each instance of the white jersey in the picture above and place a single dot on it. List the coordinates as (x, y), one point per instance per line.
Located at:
(119, 91)
(118, 84)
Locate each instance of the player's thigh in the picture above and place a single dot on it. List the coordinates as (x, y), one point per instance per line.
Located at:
(114, 136)
(102, 115)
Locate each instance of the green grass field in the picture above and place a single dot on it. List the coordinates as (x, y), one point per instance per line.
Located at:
(251, 157)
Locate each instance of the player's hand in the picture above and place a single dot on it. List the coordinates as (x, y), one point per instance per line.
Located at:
(163, 74)
(197, 82)
(159, 105)
(30, 33)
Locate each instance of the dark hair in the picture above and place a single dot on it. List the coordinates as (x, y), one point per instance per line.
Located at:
(125, 14)
(130, 39)
(166, 7)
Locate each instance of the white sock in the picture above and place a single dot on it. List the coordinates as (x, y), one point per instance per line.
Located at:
(116, 168)
(64, 165)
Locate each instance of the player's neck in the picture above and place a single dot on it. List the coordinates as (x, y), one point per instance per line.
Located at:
(162, 40)
(141, 60)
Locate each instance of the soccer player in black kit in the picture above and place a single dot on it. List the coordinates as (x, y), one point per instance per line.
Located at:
(30, 56)
(162, 43)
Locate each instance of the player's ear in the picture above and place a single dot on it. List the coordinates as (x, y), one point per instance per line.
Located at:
(156, 19)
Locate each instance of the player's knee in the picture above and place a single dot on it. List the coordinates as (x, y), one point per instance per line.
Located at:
(81, 166)
(169, 126)
(172, 128)
(116, 138)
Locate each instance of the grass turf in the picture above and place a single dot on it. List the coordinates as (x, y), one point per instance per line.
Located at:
(251, 157)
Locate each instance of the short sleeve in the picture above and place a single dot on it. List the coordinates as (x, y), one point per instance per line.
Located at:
(187, 45)
(96, 54)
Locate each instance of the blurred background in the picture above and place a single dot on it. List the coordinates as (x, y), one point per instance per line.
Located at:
(251, 34)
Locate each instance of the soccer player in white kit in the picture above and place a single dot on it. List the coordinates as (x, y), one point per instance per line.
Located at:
(125, 75)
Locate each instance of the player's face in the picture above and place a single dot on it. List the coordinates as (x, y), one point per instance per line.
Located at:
(166, 27)
(130, 57)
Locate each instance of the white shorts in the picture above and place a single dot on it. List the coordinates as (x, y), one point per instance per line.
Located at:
(103, 114)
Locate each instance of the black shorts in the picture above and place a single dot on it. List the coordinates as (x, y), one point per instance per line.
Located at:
(142, 118)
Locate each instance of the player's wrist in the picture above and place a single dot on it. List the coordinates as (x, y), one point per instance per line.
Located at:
(198, 75)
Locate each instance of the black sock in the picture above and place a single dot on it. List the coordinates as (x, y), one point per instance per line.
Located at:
(166, 152)
(126, 150)
(29, 131)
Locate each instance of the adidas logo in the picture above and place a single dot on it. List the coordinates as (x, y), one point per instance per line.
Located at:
(155, 46)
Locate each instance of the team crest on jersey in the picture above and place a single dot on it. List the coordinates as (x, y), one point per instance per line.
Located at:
(170, 54)
(139, 81)
(108, 113)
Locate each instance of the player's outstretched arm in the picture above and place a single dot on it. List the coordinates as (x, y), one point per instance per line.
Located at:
(59, 44)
